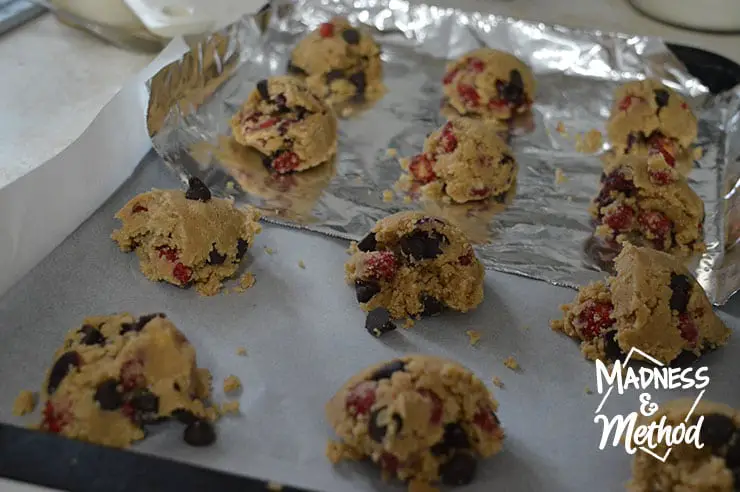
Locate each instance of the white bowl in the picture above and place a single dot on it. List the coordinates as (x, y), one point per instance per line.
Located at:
(708, 15)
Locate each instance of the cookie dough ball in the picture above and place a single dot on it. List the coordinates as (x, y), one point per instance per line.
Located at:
(419, 418)
(414, 264)
(287, 123)
(714, 468)
(465, 160)
(340, 62)
(653, 304)
(648, 118)
(116, 374)
(489, 83)
(648, 205)
(186, 238)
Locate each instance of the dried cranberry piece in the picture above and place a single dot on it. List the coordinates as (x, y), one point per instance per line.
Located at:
(620, 218)
(326, 30)
(361, 398)
(286, 162)
(450, 76)
(594, 319)
(437, 408)
(468, 94)
(381, 264)
(486, 419)
(421, 169)
(655, 222)
(182, 273)
(687, 326)
(53, 419)
(448, 141)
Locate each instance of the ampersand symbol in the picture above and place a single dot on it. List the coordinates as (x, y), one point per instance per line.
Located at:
(647, 408)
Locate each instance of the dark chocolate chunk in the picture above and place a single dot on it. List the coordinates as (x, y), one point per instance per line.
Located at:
(368, 243)
(184, 416)
(432, 306)
(241, 248)
(108, 396)
(214, 257)
(61, 369)
(262, 89)
(685, 359)
(359, 81)
(197, 190)
(334, 75)
(351, 36)
(661, 97)
(366, 290)
(200, 433)
(379, 322)
(376, 431)
(387, 370)
(294, 69)
(459, 470)
(454, 437)
(611, 347)
(91, 335)
(145, 401)
(681, 287)
(716, 430)
(300, 112)
(732, 457)
(422, 245)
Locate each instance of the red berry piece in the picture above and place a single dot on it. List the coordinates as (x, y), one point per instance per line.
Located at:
(450, 76)
(626, 102)
(498, 104)
(139, 208)
(660, 146)
(167, 252)
(661, 177)
(54, 419)
(468, 94)
(486, 420)
(286, 162)
(620, 218)
(435, 415)
(656, 223)
(380, 264)
(476, 65)
(182, 273)
(448, 141)
(688, 328)
(129, 411)
(421, 169)
(684, 106)
(483, 192)
(361, 398)
(594, 319)
(268, 123)
(326, 30)
(389, 463)
(132, 375)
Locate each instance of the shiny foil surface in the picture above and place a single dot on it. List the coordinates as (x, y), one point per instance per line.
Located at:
(540, 231)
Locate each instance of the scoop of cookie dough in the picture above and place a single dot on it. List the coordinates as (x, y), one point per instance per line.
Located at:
(419, 418)
(649, 118)
(413, 264)
(714, 468)
(340, 62)
(653, 304)
(645, 202)
(489, 83)
(186, 238)
(287, 123)
(116, 374)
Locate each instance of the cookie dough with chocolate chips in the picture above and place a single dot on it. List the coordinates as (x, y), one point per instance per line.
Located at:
(713, 468)
(285, 121)
(186, 238)
(464, 160)
(489, 83)
(114, 375)
(341, 63)
(653, 304)
(646, 203)
(419, 418)
(413, 264)
(648, 118)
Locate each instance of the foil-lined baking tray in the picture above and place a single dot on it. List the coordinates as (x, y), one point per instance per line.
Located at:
(541, 232)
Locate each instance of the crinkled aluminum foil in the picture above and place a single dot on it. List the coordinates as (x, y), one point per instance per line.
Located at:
(540, 232)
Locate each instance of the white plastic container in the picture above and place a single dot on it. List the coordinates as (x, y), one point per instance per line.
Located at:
(705, 15)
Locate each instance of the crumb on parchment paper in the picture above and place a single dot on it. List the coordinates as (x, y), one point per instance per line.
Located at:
(497, 382)
(301, 264)
(387, 196)
(274, 486)
(589, 142)
(241, 351)
(391, 152)
(511, 363)
(409, 323)
(229, 407)
(588, 391)
(473, 336)
(560, 176)
(406, 199)
(697, 153)
(24, 403)
(246, 281)
(269, 251)
(560, 128)
(232, 384)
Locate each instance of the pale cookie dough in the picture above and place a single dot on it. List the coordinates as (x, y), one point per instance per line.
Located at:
(116, 374)
(465, 160)
(653, 304)
(714, 468)
(419, 418)
(414, 264)
(186, 238)
(286, 122)
(648, 205)
(489, 83)
(648, 118)
(341, 63)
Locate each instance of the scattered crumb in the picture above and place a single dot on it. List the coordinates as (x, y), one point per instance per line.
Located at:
(301, 264)
(358, 180)
(560, 176)
(511, 363)
(698, 153)
(230, 185)
(229, 407)
(246, 281)
(274, 486)
(407, 199)
(346, 112)
(334, 451)
(212, 414)
(352, 249)
(473, 336)
(588, 391)
(24, 403)
(560, 128)
(387, 196)
(232, 384)
(589, 142)
(269, 251)
(497, 381)
(391, 152)
(569, 198)
(241, 351)
(409, 323)
(525, 327)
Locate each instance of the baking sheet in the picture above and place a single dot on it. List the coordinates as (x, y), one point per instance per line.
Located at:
(541, 233)
(299, 355)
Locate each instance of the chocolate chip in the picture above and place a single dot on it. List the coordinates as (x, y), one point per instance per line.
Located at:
(262, 89)
(387, 370)
(294, 69)
(108, 396)
(685, 359)
(459, 470)
(454, 437)
(732, 457)
(716, 430)
(611, 346)
(334, 75)
(267, 162)
(300, 112)
(197, 190)
(681, 287)
(377, 431)
(145, 401)
(61, 369)
(379, 322)
(215, 258)
(351, 36)
(184, 416)
(661, 97)
(200, 433)
(140, 323)
(432, 306)
(368, 243)
(91, 335)
(515, 79)
(421, 245)
(176, 386)
(359, 81)
(513, 91)
(366, 290)
(241, 248)
(506, 159)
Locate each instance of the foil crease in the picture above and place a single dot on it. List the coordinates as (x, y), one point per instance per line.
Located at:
(540, 232)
